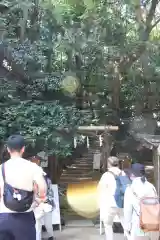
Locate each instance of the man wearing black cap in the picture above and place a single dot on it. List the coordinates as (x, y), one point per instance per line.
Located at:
(17, 180)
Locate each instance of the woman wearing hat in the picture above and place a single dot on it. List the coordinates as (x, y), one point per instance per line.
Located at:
(139, 189)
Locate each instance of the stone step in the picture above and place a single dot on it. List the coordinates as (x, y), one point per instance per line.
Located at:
(69, 176)
(82, 167)
(80, 164)
(78, 167)
(74, 174)
(83, 159)
(83, 162)
(74, 180)
(82, 177)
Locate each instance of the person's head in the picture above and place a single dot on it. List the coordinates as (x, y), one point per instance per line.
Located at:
(138, 170)
(36, 160)
(16, 145)
(113, 162)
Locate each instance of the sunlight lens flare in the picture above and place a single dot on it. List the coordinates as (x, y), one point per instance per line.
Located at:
(82, 198)
(70, 84)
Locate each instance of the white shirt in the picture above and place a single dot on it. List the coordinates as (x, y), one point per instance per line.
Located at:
(106, 190)
(22, 174)
(132, 202)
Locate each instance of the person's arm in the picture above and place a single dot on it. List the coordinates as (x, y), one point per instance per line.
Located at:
(102, 184)
(103, 181)
(40, 186)
(106, 186)
(128, 209)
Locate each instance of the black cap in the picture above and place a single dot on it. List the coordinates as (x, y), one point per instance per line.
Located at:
(15, 142)
(138, 169)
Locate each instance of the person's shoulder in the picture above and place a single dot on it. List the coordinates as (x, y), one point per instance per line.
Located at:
(32, 165)
(107, 175)
(150, 185)
(38, 170)
(27, 162)
(123, 173)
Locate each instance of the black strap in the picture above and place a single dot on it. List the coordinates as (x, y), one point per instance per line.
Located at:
(3, 173)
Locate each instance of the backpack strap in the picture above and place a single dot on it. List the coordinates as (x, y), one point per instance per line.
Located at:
(115, 174)
(112, 173)
(3, 173)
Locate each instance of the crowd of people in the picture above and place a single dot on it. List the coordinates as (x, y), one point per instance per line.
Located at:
(122, 193)
(26, 196)
(27, 199)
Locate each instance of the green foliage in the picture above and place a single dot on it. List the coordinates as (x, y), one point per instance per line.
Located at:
(48, 124)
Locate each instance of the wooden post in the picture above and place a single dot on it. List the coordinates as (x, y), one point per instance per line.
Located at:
(106, 150)
(98, 128)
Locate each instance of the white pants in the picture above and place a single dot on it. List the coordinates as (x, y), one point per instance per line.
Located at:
(47, 220)
(109, 219)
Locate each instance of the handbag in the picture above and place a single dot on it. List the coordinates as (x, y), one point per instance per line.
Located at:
(16, 199)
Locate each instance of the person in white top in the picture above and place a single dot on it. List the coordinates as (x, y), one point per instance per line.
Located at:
(139, 188)
(26, 176)
(106, 191)
(43, 212)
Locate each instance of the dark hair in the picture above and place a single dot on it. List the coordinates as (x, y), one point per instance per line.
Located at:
(143, 177)
(15, 143)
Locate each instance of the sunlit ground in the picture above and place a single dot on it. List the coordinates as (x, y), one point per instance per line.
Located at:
(82, 233)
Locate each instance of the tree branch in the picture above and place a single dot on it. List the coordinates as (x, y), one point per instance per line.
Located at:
(151, 13)
(127, 61)
(156, 22)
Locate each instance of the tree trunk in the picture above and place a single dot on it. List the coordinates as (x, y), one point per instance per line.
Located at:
(116, 87)
(106, 149)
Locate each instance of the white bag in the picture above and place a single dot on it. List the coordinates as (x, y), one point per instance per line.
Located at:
(40, 211)
(47, 208)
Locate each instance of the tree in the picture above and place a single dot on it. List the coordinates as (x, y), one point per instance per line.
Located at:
(36, 104)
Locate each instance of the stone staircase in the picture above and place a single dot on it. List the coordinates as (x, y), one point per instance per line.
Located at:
(80, 170)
